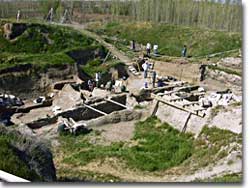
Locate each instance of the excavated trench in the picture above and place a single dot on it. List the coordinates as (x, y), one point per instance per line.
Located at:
(81, 113)
(33, 82)
(26, 82)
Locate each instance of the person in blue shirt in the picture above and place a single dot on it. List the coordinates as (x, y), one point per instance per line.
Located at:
(184, 51)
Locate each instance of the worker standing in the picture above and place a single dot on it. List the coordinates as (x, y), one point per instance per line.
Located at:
(184, 51)
(145, 69)
(50, 15)
(155, 48)
(148, 48)
(133, 45)
(202, 72)
(90, 85)
(97, 79)
(18, 16)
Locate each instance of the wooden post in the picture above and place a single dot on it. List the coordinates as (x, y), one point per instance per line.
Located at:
(176, 106)
(155, 108)
(185, 125)
(107, 56)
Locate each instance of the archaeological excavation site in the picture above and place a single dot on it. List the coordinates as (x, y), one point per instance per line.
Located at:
(119, 91)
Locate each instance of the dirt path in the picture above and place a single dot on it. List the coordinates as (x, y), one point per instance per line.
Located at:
(118, 169)
(219, 169)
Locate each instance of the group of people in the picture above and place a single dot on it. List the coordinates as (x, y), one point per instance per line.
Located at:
(111, 85)
(117, 85)
(148, 49)
(146, 68)
(155, 49)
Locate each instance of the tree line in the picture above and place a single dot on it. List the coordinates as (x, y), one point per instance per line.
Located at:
(210, 14)
(213, 14)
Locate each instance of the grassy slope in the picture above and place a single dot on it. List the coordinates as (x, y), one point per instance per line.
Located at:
(159, 147)
(41, 45)
(208, 147)
(171, 38)
(44, 39)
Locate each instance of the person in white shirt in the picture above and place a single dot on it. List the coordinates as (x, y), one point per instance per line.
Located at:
(145, 67)
(155, 47)
(97, 78)
(148, 48)
(18, 16)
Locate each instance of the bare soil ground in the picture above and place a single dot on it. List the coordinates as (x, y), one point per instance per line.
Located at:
(119, 132)
(182, 71)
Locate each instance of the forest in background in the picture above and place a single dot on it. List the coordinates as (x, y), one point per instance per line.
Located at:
(211, 14)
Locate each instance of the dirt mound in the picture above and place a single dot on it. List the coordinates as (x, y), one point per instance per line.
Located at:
(67, 98)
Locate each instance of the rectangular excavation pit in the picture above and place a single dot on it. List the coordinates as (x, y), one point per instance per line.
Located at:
(83, 112)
